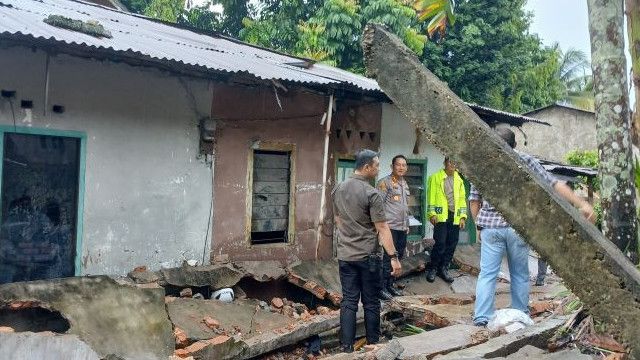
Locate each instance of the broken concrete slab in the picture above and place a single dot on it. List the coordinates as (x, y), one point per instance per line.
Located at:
(275, 339)
(467, 258)
(427, 312)
(440, 341)
(221, 347)
(144, 276)
(532, 352)
(417, 285)
(390, 351)
(536, 335)
(241, 316)
(322, 278)
(215, 276)
(29, 346)
(262, 270)
(591, 266)
(110, 317)
(319, 277)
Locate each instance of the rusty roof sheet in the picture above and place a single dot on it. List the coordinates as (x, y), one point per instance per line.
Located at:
(138, 36)
(148, 39)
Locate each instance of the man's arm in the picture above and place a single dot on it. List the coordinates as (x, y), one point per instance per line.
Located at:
(475, 206)
(431, 200)
(585, 208)
(384, 234)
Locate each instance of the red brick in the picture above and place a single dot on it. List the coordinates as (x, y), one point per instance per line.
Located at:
(6, 329)
(277, 303)
(211, 322)
(186, 293)
(181, 338)
(140, 269)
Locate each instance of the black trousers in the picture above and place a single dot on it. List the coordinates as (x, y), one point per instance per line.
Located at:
(359, 282)
(446, 236)
(400, 243)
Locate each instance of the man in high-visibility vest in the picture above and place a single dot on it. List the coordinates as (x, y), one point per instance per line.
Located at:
(447, 212)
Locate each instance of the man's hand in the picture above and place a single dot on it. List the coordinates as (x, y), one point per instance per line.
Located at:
(433, 220)
(396, 268)
(478, 232)
(462, 223)
(408, 231)
(587, 211)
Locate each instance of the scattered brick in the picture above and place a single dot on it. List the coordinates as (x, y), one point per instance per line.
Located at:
(323, 310)
(305, 316)
(140, 269)
(186, 293)
(540, 307)
(277, 303)
(181, 338)
(288, 311)
(199, 345)
(6, 329)
(211, 322)
(605, 342)
(168, 299)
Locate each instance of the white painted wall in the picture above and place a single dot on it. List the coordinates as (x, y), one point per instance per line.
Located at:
(147, 193)
(398, 137)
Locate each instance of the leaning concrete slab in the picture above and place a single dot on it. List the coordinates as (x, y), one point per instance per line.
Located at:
(592, 267)
(435, 311)
(29, 346)
(505, 345)
(243, 317)
(322, 279)
(272, 340)
(431, 343)
(113, 319)
(215, 276)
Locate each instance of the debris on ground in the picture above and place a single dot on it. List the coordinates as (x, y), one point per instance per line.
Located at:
(214, 322)
(91, 308)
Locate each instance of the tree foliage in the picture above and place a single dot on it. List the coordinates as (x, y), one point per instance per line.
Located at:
(487, 55)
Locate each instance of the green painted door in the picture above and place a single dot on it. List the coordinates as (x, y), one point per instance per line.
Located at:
(40, 201)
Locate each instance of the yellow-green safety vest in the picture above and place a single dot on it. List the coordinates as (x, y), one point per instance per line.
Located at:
(437, 198)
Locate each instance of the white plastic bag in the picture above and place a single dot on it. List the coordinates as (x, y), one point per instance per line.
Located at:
(510, 320)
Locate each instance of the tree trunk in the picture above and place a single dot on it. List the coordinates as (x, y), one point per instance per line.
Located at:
(608, 63)
(591, 266)
(633, 27)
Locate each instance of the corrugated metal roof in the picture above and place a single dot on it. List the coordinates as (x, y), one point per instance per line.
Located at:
(143, 37)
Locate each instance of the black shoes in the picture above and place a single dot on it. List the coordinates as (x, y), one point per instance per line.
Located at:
(444, 275)
(431, 275)
(384, 295)
(481, 323)
(347, 349)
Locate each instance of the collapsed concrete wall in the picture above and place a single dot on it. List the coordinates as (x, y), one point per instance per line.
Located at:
(111, 318)
(592, 267)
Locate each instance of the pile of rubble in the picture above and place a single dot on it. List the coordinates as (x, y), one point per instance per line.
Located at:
(239, 311)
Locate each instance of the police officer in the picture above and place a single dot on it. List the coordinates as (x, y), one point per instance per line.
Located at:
(395, 191)
(362, 226)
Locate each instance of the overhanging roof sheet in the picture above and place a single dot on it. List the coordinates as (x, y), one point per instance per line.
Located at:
(146, 38)
(143, 38)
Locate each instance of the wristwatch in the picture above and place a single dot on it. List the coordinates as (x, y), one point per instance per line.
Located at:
(394, 256)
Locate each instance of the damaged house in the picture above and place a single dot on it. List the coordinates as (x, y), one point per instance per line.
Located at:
(127, 141)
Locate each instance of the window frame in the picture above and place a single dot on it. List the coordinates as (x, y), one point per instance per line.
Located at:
(278, 147)
(423, 200)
